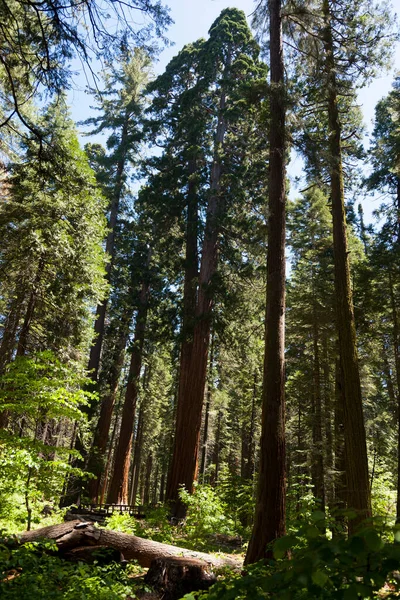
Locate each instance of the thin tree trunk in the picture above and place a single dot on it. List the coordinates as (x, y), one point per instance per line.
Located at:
(217, 447)
(96, 458)
(95, 351)
(328, 409)
(269, 522)
(118, 491)
(340, 498)
(147, 479)
(358, 492)
(137, 456)
(207, 415)
(396, 351)
(108, 465)
(247, 468)
(317, 470)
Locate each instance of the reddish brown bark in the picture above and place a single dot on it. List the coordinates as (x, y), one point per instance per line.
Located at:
(317, 469)
(269, 521)
(396, 350)
(96, 458)
(358, 492)
(118, 491)
(191, 395)
(137, 456)
(207, 414)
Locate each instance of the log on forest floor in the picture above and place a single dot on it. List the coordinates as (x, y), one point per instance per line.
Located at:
(176, 576)
(75, 534)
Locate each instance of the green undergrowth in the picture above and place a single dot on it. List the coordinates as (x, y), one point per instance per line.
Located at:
(207, 526)
(311, 563)
(34, 572)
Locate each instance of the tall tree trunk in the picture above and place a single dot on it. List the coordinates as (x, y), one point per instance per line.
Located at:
(328, 410)
(396, 351)
(358, 492)
(185, 455)
(109, 460)
(269, 522)
(340, 498)
(96, 461)
(95, 351)
(217, 449)
(147, 479)
(118, 491)
(317, 470)
(247, 468)
(207, 415)
(137, 456)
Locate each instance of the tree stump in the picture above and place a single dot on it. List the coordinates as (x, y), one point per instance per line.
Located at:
(176, 576)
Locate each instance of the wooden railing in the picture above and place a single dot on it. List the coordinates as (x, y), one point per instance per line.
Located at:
(106, 510)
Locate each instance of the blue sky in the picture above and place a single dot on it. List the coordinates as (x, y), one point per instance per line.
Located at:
(193, 19)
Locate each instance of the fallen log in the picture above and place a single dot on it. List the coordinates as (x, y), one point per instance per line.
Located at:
(74, 534)
(176, 576)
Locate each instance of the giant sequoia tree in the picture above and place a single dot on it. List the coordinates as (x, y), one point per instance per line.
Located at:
(227, 59)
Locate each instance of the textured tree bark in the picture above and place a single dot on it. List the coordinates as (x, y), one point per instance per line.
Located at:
(317, 470)
(207, 415)
(118, 490)
(269, 522)
(358, 492)
(340, 484)
(147, 478)
(137, 456)
(328, 411)
(96, 460)
(396, 351)
(74, 534)
(247, 463)
(175, 577)
(184, 463)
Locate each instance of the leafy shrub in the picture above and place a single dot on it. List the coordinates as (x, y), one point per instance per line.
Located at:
(364, 566)
(207, 514)
(122, 522)
(35, 572)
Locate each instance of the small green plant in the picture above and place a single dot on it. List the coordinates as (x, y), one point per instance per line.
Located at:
(157, 527)
(122, 522)
(33, 391)
(207, 514)
(308, 565)
(35, 572)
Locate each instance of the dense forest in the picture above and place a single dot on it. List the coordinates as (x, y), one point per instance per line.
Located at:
(199, 364)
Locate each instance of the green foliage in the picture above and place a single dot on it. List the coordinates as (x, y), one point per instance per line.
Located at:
(34, 571)
(51, 230)
(318, 567)
(207, 514)
(122, 522)
(34, 391)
